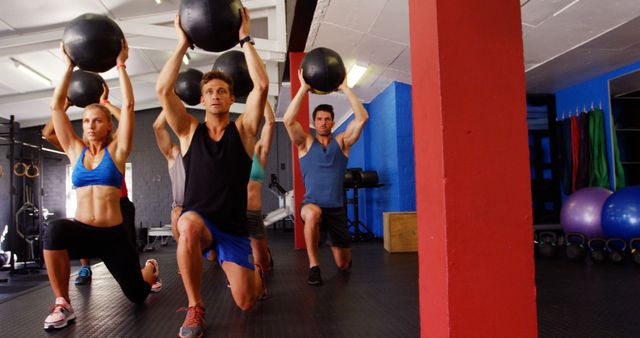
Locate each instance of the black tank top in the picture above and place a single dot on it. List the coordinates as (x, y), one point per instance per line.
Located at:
(217, 174)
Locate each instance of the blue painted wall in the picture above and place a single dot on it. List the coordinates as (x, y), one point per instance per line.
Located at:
(406, 163)
(386, 146)
(593, 92)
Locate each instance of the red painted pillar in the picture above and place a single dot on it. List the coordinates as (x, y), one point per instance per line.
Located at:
(473, 190)
(295, 59)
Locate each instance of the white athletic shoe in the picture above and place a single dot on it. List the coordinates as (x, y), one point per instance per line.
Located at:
(61, 314)
(157, 284)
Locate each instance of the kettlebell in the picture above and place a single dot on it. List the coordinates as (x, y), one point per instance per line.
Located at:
(616, 248)
(635, 251)
(597, 249)
(576, 250)
(548, 244)
(536, 245)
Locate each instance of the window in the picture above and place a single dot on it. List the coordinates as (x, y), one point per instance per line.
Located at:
(70, 194)
(128, 178)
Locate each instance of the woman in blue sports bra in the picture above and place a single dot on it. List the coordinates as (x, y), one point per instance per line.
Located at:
(96, 231)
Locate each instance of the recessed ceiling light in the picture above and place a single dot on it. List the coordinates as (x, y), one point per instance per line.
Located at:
(566, 7)
(31, 72)
(355, 74)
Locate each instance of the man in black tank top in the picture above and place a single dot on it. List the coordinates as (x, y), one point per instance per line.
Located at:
(217, 161)
(323, 160)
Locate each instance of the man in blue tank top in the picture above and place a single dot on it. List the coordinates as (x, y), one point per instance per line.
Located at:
(323, 161)
(217, 161)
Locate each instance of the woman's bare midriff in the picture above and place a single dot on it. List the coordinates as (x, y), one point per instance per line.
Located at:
(98, 205)
(254, 195)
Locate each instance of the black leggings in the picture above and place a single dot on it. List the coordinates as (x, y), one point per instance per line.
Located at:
(109, 244)
(128, 211)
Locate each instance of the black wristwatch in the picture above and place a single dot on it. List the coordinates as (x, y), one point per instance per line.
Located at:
(247, 39)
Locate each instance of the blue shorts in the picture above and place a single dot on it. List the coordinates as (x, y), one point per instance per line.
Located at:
(228, 247)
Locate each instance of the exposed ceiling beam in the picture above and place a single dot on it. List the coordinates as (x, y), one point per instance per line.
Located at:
(146, 33)
(152, 77)
(302, 19)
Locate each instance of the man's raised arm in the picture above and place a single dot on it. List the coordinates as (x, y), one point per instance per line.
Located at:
(178, 119)
(355, 127)
(297, 134)
(258, 95)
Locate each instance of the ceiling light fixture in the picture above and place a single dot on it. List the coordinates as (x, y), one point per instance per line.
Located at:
(355, 74)
(31, 72)
(566, 7)
(186, 59)
(159, 2)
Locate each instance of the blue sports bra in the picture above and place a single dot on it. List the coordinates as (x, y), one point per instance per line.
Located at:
(106, 173)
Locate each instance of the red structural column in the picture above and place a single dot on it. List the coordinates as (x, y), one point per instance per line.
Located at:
(476, 265)
(295, 59)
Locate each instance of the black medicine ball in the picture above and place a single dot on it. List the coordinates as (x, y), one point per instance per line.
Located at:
(233, 64)
(323, 70)
(187, 86)
(93, 42)
(212, 25)
(85, 88)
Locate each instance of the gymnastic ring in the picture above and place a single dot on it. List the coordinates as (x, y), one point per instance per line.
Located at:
(36, 169)
(18, 165)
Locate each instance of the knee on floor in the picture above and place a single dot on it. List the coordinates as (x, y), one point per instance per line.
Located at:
(245, 302)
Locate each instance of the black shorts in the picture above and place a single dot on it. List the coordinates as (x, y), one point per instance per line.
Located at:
(255, 224)
(109, 244)
(334, 230)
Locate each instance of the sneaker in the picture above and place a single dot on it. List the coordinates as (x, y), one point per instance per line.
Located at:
(193, 325)
(61, 314)
(314, 276)
(157, 283)
(84, 276)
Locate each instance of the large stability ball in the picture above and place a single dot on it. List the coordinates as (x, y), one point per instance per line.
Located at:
(621, 214)
(85, 88)
(212, 25)
(234, 65)
(582, 211)
(323, 70)
(93, 42)
(187, 86)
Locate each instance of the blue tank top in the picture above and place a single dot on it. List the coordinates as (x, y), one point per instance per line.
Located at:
(323, 174)
(106, 173)
(257, 172)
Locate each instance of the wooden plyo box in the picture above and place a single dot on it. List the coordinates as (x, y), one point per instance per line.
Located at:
(400, 231)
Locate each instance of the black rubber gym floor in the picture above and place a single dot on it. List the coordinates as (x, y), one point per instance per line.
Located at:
(587, 300)
(379, 298)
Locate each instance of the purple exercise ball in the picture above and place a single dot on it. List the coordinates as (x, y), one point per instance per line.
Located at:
(582, 211)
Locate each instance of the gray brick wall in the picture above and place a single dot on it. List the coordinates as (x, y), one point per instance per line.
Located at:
(151, 184)
(5, 209)
(28, 155)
